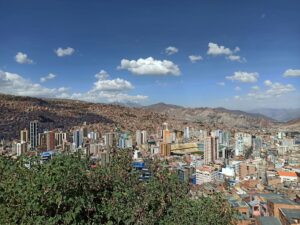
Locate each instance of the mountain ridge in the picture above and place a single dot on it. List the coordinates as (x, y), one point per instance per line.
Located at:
(17, 111)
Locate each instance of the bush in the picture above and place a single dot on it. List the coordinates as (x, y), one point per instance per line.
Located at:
(67, 191)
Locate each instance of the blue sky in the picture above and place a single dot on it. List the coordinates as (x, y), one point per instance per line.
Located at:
(234, 54)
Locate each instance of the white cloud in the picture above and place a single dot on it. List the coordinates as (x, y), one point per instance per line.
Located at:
(22, 58)
(61, 52)
(278, 89)
(103, 96)
(102, 91)
(273, 90)
(221, 83)
(150, 66)
(11, 83)
(215, 49)
(236, 58)
(268, 82)
(109, 90)
(113, 85)
(50, 76)
(219, 50)
(256, 88)
(103, 84)
(102, 75)
(195, 58)
(244, 77)
(171, 50)
(236, 49)
(291, 73)
(237, 88)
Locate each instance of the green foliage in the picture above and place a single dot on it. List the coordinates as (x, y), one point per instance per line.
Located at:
(67, 191)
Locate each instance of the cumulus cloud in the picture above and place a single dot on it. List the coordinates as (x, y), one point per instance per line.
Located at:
(102, 75)
(103, 96)
(113, 85)
(22, 58)
(171, 50)
(244, 77)
(236, 58)
(195, 58)
(291, 73)
(268, 82)
(103, 90)
(256, 88)
(109, 90)
(221, 83)
(220, 50)
(273, 90)
(150, 66)
(214, 49)
(11, 83)
(50, 76)
(61, 52)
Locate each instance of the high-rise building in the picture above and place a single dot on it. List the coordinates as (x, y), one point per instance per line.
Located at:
(239, 144)
(50, 140)
(24, 136)
(165, 149)
(109, 139)
(166, 137)
(186, 133)
(78, 138)
(144, 137)
(211, 149)
(206, 174)
(165, 126)
(104, 157)
(85, 131)
(60, 138)
(93, 135)
(42, 140)
(138, 137)
(21, 148)
(34, 128)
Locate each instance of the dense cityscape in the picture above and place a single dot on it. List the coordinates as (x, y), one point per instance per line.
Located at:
(258, 173)
(135, 112)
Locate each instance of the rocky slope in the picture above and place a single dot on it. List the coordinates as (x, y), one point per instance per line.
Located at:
(16, 113)
(221, 116)
(282, 115)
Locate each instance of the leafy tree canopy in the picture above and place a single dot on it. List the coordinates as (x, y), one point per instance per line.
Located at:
(66, 191)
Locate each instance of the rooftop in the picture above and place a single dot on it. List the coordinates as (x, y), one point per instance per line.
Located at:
(287, 174)
(293, 215)
(269, 220)
(284, 201)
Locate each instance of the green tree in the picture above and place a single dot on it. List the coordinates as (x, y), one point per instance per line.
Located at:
(67, 191)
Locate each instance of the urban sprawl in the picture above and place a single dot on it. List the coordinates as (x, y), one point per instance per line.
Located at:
(259, 174)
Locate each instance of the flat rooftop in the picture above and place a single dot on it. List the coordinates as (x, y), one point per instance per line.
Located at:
(269, 220)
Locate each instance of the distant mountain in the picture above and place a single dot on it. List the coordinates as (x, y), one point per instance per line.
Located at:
(291, 125)
(17, 111)
(128, 104)
(217, 116)
(282, 115)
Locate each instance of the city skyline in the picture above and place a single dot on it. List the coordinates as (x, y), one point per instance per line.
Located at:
(241, 56)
